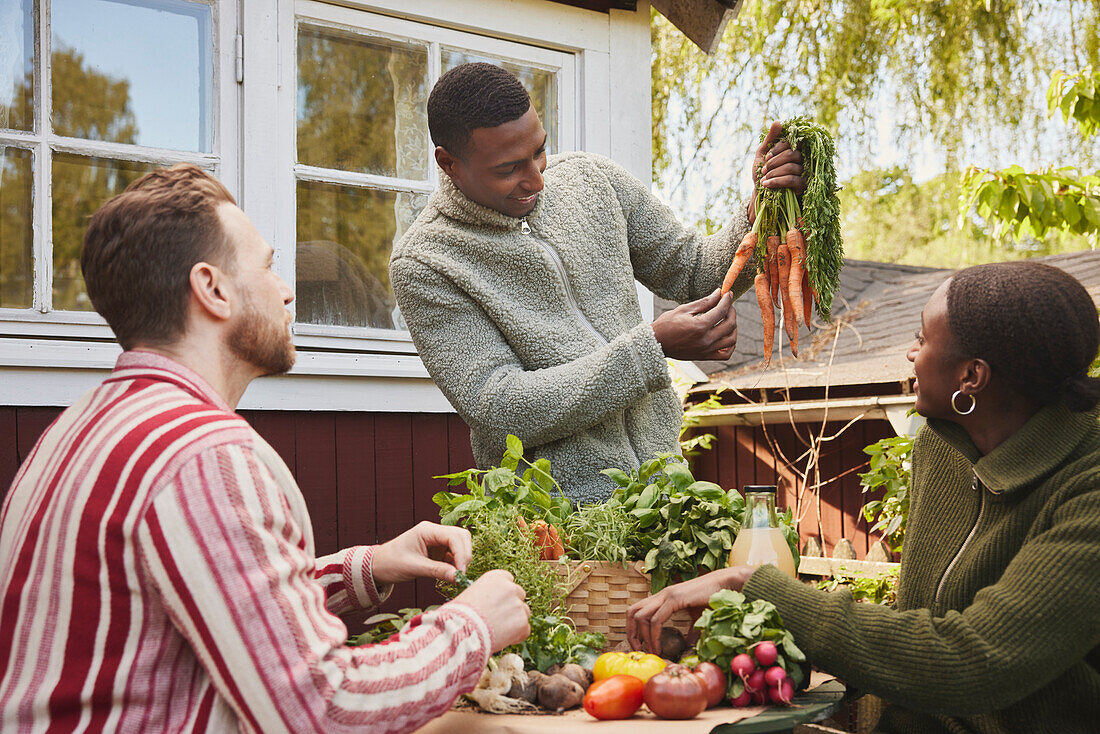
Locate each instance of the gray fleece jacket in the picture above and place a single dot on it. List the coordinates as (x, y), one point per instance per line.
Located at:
(532, 326)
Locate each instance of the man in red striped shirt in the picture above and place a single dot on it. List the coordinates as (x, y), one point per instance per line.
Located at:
(157, 566)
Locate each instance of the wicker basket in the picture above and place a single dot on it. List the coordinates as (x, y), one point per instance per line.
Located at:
(600, 592)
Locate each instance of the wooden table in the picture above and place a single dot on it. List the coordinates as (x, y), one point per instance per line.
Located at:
(813, 705)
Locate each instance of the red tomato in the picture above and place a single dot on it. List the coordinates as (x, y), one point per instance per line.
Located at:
(617, 697)
(675, 693)
(713, 680)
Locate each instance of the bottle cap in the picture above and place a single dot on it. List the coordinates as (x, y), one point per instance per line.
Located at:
(759, 488)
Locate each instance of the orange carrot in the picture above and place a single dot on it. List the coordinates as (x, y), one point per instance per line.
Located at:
(547, 541)
(797, 246)
(767, 314)
(785, 296)
(773, 268)
(740, 258)
(807, 297)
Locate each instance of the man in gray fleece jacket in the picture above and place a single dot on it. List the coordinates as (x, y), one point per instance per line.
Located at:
(517, 285)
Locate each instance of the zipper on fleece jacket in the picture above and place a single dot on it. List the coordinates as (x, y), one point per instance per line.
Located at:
(977, 484)
(570, 296)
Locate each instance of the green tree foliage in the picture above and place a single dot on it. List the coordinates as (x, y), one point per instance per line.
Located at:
(887, 216)
(86, 104)
(1056, 199)
(16, 232)
(956, 75)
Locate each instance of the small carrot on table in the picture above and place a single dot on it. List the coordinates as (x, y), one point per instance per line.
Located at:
(773, 268)
(797, 246)
(784, 261)
(767, 313)
(740, 259)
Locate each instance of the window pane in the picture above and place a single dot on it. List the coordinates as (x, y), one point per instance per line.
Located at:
(80, 186)
(133, 71)
(16, 229)
(542, 85)
(345, 236)
(362, 104)
(17, 64)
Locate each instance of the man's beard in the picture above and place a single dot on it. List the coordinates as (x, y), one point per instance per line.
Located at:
(262, 343)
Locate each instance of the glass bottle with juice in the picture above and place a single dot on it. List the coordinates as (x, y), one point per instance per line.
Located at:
(761, 539)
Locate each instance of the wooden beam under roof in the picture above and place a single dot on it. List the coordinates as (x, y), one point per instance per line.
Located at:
(702, 21)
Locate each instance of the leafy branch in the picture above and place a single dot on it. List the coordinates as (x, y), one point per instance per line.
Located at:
(693, 414)
(1075, 96)
(889, 472)
(1023, 203)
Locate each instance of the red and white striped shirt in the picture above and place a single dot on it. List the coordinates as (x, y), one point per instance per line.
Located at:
(157, 573)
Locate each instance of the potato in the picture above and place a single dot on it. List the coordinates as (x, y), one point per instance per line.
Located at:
(577, 674)
(558, 693)
(523, 687)
(672, 644)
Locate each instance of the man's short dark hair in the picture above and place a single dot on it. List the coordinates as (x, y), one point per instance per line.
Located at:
(140, 246)
(472, 96)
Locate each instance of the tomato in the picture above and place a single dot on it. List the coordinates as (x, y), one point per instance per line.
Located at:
(617, 697)
(641, 665)
(675, 693)
(713, 680)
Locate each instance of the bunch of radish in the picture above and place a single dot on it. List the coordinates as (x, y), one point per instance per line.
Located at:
(762, 681)
(748, 639)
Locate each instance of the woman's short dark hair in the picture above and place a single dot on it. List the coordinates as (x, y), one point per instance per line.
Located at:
(472, 96)
(140, 246)
(1034, 324)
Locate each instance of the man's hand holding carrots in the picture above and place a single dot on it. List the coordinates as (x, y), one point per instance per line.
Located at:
(776, 166)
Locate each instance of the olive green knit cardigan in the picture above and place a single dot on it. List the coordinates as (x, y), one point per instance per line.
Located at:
(997, 626)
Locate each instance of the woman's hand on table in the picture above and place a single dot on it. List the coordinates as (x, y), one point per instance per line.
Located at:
(645, 619)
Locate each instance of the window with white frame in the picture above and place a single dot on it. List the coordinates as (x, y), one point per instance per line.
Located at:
(362, 160)
(93, 93)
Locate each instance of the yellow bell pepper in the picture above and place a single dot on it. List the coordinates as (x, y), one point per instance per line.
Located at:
(641, 665)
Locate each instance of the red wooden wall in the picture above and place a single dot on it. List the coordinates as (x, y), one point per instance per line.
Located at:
(757, 455)
(367, 477)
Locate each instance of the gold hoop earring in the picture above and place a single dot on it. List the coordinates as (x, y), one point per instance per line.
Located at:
(968, 411)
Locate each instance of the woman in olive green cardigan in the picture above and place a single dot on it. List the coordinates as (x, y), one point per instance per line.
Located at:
(997, 624)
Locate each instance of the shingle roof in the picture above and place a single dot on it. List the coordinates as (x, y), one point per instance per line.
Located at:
(876, 310)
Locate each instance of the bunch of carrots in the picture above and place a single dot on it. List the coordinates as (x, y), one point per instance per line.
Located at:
(788, 237)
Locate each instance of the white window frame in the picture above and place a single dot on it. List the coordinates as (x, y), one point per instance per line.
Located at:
(52, 361)
(373, 25)
(41, 320)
